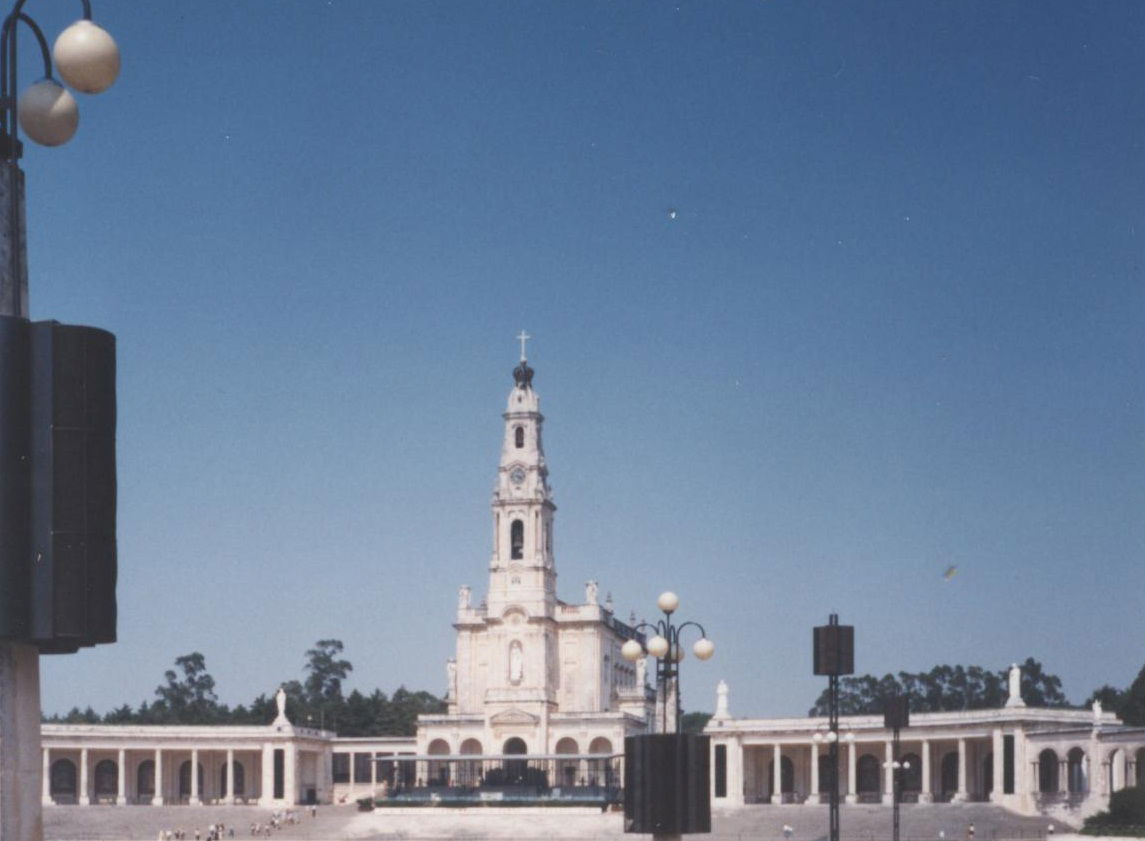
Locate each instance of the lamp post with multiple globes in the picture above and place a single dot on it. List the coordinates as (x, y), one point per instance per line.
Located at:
(665, 646)
(833, 738)
(87, 59)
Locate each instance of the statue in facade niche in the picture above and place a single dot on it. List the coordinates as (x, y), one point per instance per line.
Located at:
(516, 662)
(590, 592)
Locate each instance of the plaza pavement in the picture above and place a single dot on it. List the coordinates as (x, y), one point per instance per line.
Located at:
(345, 823)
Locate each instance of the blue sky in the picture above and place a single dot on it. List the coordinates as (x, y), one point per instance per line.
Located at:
(895, 325)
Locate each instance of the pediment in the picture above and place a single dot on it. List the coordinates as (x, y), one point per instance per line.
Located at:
(513, 718)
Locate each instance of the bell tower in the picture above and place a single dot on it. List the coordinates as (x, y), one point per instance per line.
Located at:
(522, 572)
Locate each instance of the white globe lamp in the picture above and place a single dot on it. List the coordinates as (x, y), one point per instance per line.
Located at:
(632, 651)
(48, 113)
(657, 646)
(87, 57)
(704, 648)
(668, 601)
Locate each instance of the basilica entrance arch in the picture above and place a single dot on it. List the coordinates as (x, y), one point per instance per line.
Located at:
(437, 774)
(515, 769)
(567, 769)
(469, 772)
(600, 770)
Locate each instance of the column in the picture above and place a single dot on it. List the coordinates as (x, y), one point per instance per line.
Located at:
(852, 785)
(353, 778)
(289, 775)
(926, 795)
(374, 775)
(1063, 776)
(46, 778)
(194, 800)
(776, 774)
(266, 793)
(84, 792)
(229, 794)
(735, 772)
(157, 797)
(1021, 781)
(814, 796)
(888, 772)
(998, 765)
(121, 779)
(961, 796)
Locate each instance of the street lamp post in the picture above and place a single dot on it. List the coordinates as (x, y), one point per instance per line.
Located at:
(666, 779)
(666, 648)
(88, 60)
(833, 654)
(896, 715)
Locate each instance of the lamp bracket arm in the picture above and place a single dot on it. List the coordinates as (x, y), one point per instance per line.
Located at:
(684, 625)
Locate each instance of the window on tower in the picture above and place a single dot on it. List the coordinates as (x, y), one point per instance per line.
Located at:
(519, 436)
(517, 540)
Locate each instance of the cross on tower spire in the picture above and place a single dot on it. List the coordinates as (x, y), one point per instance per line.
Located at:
(524, 337)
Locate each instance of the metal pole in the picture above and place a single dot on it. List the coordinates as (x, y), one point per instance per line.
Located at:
(833, 727)
(21, 815)
(833, 753)
(896, 791)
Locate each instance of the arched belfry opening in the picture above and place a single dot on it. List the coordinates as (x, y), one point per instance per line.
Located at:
(519, 437)
(517, 540)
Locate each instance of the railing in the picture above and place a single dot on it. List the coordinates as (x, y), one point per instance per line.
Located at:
(584, 778)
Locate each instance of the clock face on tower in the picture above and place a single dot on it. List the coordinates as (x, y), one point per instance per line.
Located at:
(517, 475)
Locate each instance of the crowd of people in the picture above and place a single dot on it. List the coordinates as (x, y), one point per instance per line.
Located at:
(258, 829)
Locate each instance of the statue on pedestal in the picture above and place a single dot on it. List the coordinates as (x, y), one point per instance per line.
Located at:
(1015, 699)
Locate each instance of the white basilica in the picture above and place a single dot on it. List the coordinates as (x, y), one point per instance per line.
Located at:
(533, 674)
(543, 679)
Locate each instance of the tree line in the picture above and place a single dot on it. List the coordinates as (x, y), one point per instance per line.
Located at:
(187, 696)
(947, 688)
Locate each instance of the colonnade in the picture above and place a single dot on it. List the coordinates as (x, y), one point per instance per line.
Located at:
(949, 768)
(266, 773)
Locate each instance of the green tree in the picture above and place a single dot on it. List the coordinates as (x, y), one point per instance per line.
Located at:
(694, 722)
(944, 688)
(190, 698)
(325, 672)
(1109, 696)
(120, 715)
(1040, 689)
(1132, 706)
